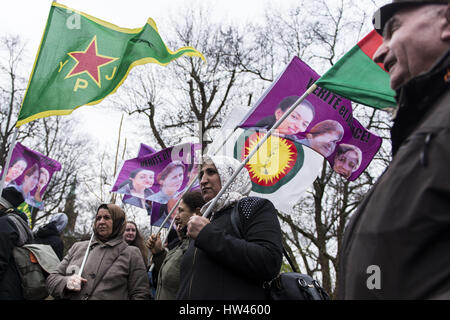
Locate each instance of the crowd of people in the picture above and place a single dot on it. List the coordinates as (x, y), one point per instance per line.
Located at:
(401, 226)
(114, 263)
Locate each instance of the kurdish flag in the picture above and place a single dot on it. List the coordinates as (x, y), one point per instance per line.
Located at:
(358, 78)
(81, 63)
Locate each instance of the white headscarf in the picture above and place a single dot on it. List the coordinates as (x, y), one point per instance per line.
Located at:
(238, 189)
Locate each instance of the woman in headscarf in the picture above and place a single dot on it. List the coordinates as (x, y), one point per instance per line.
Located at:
(220, 264)
(113, 270)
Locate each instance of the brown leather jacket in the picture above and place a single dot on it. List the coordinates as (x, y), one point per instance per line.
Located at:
(114, 271)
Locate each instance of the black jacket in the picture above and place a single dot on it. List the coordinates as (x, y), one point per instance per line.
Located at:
(48, 234)
(10, 283)
(220, 265)
(401, 230)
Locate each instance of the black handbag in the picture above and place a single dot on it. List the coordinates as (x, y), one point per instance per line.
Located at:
(287, 285)
(294, 286)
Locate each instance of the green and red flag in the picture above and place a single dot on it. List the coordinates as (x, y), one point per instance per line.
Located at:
(358, 78)
(82, 60)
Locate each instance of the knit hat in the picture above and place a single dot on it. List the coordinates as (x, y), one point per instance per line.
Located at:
(11, 198)
(60, 220)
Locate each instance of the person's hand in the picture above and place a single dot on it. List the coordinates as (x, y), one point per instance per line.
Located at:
(74, 282)
(195, 225)
(154, 243)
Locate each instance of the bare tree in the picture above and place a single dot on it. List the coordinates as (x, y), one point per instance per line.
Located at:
(178, 99)
(53, 137)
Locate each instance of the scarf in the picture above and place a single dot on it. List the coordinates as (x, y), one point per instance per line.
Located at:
(119, 223)
(240, 188)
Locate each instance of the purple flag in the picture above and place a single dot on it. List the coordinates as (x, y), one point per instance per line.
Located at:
(145, 150)
(160, 177)
(323, 121)
(30, 172)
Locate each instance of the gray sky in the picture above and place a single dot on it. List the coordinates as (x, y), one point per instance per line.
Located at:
(27, 18)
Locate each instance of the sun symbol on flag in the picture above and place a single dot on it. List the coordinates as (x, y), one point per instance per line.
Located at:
(273, 160)
(89, 61)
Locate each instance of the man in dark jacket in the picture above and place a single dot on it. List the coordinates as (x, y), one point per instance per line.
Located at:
(220, 264)
(396, 245)
(14, 231)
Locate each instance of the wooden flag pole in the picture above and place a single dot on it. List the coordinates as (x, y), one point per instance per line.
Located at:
(255, 149)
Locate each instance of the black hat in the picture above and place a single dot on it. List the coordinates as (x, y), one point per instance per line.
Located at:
(383, 14)
(12, 196)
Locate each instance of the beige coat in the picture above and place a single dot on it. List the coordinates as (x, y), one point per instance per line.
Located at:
(126, 278)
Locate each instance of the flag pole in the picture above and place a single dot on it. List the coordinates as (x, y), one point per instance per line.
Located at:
(226, 140)
(200, 140)
(86, 255)
(8, 158)
(255, 149)
(167, 235)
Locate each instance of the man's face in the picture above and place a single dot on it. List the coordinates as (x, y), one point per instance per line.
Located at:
(411, 43)
(296, 122)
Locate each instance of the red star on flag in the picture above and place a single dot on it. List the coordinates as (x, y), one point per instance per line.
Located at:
(89, 61)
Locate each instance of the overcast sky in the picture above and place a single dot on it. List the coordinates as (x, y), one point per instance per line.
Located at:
(27, 18)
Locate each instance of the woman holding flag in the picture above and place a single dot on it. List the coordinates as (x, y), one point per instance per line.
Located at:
(219, 263)
(113, 269)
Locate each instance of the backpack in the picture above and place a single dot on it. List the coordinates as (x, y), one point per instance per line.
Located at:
(33, 261)
(287, 285)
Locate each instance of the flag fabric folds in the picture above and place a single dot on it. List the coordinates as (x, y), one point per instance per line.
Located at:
(280, 171)
(82, 59)
(30, 172)
(323, 121)
(155, 181)
(358, 78)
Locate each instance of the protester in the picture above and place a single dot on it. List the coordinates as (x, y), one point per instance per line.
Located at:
(50, 233)
(297, 121)
(219, 264)
(171, 242)
(113, 270)
(167, 264)
(16, 168)
(396, 245)
(324, 136)
(347, 160)
(14, 232)
(133, 237)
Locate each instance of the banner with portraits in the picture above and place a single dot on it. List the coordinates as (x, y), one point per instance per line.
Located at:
(30, 172)
(323, 121)
(156, 181)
